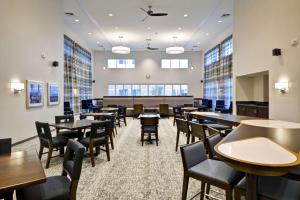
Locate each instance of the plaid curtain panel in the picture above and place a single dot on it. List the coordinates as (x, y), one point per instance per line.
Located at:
(77, 74)
(218, 72)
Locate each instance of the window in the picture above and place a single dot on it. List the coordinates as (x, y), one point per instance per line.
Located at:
(218, 72)
(174, 63)
(148, 90)
(120, 63)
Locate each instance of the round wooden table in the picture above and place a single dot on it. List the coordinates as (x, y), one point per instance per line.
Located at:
(261, 147)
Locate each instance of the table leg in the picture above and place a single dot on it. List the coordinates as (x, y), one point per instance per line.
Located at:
(251, 188)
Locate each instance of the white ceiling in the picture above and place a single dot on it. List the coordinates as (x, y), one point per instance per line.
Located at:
(198, 29)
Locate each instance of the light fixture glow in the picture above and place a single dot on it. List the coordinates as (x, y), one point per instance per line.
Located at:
(206, 34)
(185, 15)
(175, 50)
(149, 28)
(89, 33)
(282, 86)
(110, 14)
(116, 27)
(198, 42)
(76, 20)
(120, 50)
(179, 28)
(16, 87)
(220, 21)
(98, 42)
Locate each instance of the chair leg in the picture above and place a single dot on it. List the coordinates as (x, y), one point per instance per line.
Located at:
(119, 122)
(91, 149)
(41, 152)
(202, 193)
(111, 141)
(177, 140)
(188, 138)
(228, 194)
(116, 131)
(142, 138)
(49, 157)
(107, 151)
(125, 121)
(156, 138)
(207, 189)
(185, 187)
(174, 121)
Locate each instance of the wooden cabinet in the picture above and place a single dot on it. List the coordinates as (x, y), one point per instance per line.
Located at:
(253, 109)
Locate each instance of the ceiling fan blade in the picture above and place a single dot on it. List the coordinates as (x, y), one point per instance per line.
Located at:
(145, 18)
(144, 10)
(159, 14)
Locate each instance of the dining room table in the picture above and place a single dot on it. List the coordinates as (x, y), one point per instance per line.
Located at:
(110, 109)
(189, 109)
(75, 125)
(97, 115)
(261, 147)
(19, 170)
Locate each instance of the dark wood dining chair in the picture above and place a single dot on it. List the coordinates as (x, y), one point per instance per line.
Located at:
(49, 142)
(213, 172)
(97, 139)
(5, 147)
(112, 106)
(150, 126)
(177, 112)
(62, 187)
(164, 110)
(197, 131)
(182, 127)
(137, 109)
(67, 133)
(122, 114)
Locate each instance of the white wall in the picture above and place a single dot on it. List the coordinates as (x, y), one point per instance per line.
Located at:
(260, 26)
(29, 28)
(148, 63)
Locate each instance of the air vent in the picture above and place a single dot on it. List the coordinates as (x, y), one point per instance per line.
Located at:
(195, 46)
(225, 15)
(69, 13)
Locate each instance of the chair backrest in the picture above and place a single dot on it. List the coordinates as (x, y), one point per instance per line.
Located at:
(182, 125)
(138, 109)
(230, 107)
(212, 141)
(122, 110)
(149, 121)
(43, 130)
(177, 111)
(72, 164)
(164, 108)
(197, 130)
(220, 103)
(106, 125)
(5, 145)
(192, 154)
(96, 109)
(64, 118)
(188, 105)
(82, 117)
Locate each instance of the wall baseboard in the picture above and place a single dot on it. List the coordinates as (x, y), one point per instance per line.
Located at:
(25, 140)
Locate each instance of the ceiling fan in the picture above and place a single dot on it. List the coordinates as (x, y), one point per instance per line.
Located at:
(151, 13)
(148, 46)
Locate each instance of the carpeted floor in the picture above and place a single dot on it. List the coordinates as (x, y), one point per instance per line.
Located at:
(134, 172)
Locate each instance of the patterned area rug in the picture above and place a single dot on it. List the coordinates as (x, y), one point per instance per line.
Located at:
(150, 172)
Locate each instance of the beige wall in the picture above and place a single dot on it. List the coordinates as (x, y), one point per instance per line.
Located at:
(259, 26)
(28, 29)
(148, 63)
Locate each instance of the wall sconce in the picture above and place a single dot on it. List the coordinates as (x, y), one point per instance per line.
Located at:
(282, 86)
(76, 92)
(147, 76)
(16, 87)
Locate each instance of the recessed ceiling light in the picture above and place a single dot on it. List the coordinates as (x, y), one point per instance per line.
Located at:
(116, 27)
(149, 28)
(110, 14)
(198, 42)
(76, 20)
(220, 21)
(179, 28)
(98, 42)
(207, 34)
(185, 15)
(89, 33)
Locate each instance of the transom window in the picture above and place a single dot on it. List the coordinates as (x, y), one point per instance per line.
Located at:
(174, 63)
(147, 90)
(120, 63)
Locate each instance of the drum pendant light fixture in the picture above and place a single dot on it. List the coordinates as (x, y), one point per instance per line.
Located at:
(121, 49)
(175, 49)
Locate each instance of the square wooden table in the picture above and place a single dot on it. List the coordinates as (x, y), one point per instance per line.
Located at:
(76, 125)
(20, 170)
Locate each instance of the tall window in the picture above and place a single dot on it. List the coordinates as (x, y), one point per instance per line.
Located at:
(77, 74)
(218, 72)
(148, 90)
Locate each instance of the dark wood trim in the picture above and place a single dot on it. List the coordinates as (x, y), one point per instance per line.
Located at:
(25, 140)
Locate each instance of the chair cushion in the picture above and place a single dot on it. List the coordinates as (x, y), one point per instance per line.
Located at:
(55, 187)
(97, 141)
(71, 134)
(149, 129)
(277, 188)
(59, 141)
(216, 170)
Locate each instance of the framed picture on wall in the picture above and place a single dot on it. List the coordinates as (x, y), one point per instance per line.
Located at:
(53, 94)
(34, 93)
